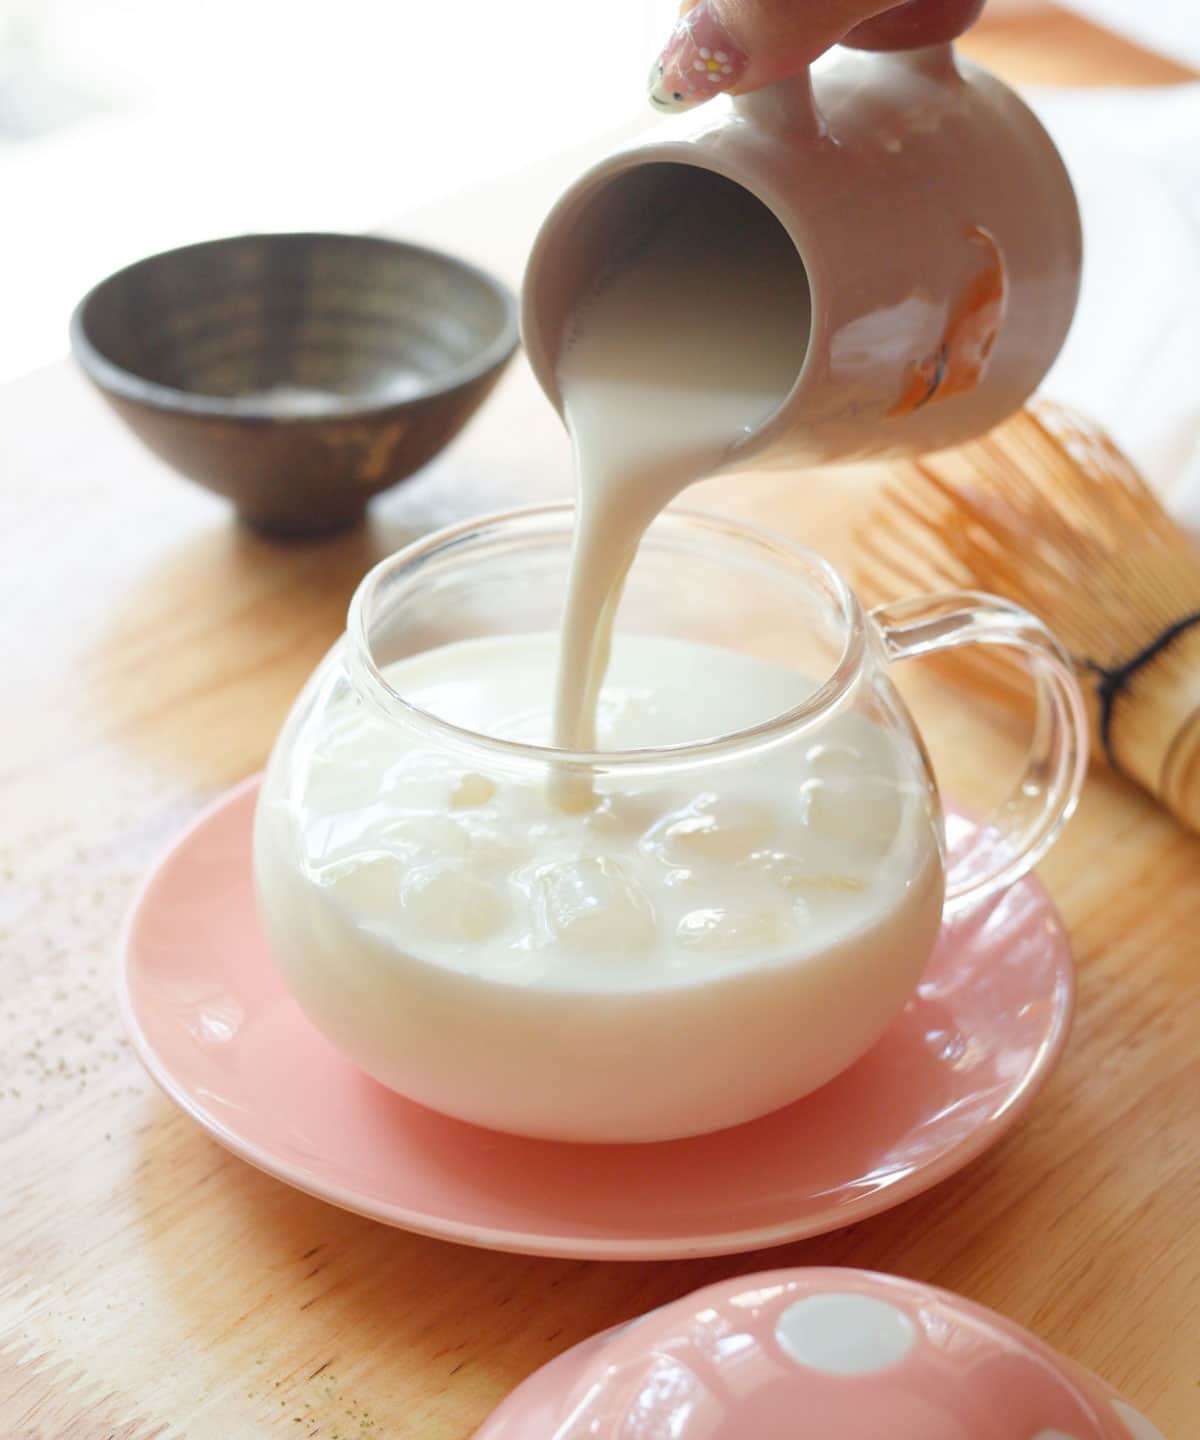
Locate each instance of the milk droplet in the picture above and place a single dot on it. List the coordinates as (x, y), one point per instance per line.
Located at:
(449, 903)
(592, 905)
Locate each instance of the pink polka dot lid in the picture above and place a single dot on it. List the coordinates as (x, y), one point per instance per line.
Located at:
(825, 1354)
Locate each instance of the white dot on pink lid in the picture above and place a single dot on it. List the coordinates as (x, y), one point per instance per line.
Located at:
(845, 1334)
(1137, 1425)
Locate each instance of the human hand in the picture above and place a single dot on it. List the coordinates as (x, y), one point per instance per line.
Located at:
(741, 45)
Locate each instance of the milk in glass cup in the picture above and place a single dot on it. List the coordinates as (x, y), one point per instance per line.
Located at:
(740, 904)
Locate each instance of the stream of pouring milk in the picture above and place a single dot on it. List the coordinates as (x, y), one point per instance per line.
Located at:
(688, 345)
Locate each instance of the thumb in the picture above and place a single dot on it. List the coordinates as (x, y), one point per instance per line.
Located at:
(740, 45)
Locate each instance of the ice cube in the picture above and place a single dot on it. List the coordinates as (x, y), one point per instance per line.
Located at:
(795, 872)
(368, 887)
(624, 817)
(729, 929)
(714, 828)
(419, 839)
(336, 835)
(420, 779)
(496, 845)
(593, 906)
(336, 784)
(449, 903)
(861, 814)
(472, 791)
(832, 757)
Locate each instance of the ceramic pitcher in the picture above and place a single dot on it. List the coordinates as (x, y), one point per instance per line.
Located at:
(933, 216)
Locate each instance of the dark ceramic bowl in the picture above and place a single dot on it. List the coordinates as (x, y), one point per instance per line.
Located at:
(297, 375)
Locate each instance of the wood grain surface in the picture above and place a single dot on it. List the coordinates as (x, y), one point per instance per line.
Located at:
(151, 1285)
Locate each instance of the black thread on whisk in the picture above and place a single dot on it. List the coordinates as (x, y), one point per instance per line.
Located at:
(1114, 682)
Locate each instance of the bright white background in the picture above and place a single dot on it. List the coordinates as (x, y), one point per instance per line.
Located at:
(127, 126)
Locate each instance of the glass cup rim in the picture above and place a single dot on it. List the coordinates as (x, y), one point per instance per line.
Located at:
(828, 697)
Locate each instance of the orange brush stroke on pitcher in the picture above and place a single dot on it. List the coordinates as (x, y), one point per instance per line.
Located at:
(960, 361)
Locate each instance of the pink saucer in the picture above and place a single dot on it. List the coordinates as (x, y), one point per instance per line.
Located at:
(210, 1018)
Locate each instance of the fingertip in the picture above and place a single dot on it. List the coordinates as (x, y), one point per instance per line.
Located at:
(701, 59)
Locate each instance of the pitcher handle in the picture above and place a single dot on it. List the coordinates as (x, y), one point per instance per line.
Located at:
(1023, 828)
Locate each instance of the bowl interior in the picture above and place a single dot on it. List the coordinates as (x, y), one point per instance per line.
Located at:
(297, 324)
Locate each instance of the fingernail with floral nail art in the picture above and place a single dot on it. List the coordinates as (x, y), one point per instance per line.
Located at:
(700, 60)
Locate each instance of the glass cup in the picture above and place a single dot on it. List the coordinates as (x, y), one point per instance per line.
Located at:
(791, 875)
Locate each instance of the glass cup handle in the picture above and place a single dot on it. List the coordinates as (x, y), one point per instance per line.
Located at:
(1024, 827)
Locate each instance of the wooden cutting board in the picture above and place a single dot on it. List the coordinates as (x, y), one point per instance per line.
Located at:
(151, 1284)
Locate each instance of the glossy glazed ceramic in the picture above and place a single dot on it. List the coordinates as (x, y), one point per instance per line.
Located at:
(824, 1354)
(210, 1018)
(932, 213)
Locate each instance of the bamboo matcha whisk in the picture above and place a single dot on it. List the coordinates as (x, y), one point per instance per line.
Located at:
(1046, 511)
